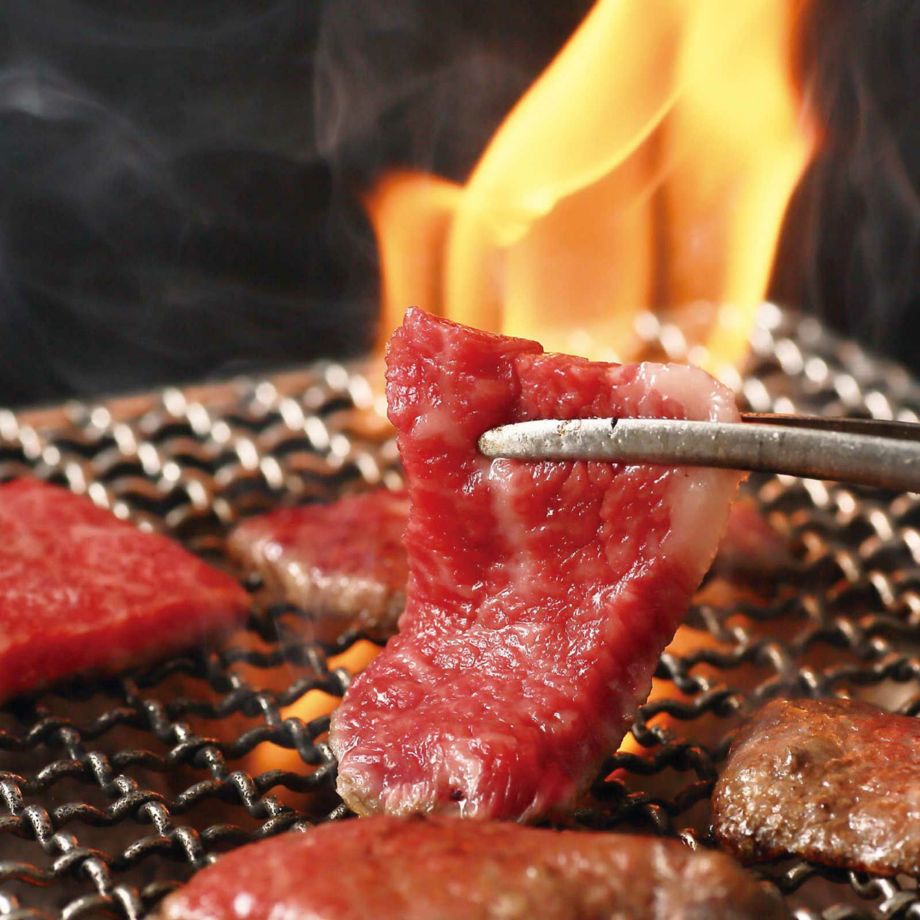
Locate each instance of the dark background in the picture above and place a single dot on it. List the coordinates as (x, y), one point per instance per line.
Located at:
(179, 180)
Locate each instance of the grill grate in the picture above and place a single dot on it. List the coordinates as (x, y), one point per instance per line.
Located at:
(115, 791)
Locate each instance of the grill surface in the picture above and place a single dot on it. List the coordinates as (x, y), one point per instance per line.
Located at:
(112, 792)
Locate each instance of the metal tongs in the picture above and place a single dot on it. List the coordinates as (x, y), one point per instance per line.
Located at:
(862, 451)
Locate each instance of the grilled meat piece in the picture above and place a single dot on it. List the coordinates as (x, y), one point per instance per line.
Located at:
(833, 781)
(751, 548)
(448, 869)
(540, 594)
(344, 560)
(81, 590)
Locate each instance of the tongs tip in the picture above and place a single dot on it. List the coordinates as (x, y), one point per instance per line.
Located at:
(862, 451)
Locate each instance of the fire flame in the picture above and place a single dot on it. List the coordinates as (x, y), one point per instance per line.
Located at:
(649, 167)
(312, 705)
(686, 641)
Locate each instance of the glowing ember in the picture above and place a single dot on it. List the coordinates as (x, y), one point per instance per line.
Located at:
(311, 706)
(687, 641)
(648, 167)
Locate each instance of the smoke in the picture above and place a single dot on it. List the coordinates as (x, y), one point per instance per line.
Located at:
(851, 244)
(181, 181)
(165, 211)
(425, 83)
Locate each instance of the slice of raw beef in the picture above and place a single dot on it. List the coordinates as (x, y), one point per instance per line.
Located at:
(447, 869)
(540, 593)
(81, 590)
(344, 560)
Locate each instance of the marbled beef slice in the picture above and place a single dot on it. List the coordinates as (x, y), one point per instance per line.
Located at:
(541, 594)
(344, 561)
(81, 590)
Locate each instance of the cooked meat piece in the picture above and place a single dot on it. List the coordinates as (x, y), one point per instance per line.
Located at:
(448, 869)
(833, 781)
(751, 547)
(81, 590)
(345, 559)
(540, 594)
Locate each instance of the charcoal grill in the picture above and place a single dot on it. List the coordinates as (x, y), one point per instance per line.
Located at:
(112, 792)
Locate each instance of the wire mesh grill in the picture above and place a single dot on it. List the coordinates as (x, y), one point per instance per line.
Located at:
(114, 791)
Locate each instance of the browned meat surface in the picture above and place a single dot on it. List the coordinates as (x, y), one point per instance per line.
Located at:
(451, 869)
(344, 560)
(833, 781)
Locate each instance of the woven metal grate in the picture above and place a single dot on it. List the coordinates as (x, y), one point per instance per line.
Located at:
(114, 791)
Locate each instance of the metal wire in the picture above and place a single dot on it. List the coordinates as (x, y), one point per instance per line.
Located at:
(112, 792)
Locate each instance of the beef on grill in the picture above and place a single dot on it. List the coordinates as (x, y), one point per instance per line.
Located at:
(81, 590)
(833, 781)
(540, 594)
(751, 548)
(344, 560)
(448, 869)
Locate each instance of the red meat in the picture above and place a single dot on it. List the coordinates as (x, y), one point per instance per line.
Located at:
(344, 560)
(540, 594)
(445, 869)
(752, 549)
(81, 590)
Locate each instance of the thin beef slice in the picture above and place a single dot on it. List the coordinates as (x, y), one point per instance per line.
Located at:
(833, 781)
(343, 561)
(81, 590)
(541, 594)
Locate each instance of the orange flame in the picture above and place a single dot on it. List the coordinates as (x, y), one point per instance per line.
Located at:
(648, 167)
(311, 705)
(686, 641)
